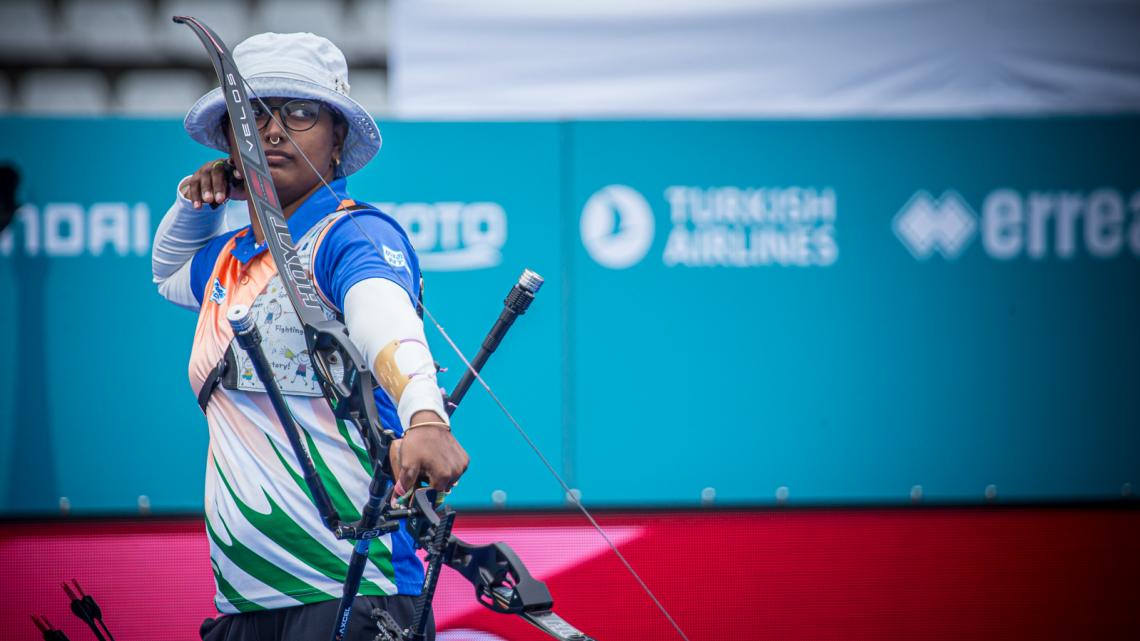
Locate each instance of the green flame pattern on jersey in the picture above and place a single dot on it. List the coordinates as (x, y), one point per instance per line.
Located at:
(291, 537)
(268, 547)
(361, 453)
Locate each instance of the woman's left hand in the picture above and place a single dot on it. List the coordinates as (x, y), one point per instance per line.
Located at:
(430, 453)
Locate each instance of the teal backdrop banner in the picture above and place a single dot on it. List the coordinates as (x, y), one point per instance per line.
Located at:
(838, 311)
(745, 312)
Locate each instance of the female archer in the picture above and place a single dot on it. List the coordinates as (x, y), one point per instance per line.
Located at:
(278, 570)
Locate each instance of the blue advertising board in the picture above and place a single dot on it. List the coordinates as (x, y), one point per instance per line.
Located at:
(95, 404)
(843, 311)
(820, 311)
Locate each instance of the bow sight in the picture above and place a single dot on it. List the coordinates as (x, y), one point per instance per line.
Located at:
(502, 582)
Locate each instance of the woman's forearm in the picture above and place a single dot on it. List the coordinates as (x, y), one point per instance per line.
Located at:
(383, 325)
(182, 232)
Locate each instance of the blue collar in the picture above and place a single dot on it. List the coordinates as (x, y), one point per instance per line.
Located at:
(320, 204)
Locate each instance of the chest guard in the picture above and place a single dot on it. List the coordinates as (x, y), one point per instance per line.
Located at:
(283, 338)
(283, 341)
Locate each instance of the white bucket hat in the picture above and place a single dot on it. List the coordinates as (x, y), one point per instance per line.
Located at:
(291, 65)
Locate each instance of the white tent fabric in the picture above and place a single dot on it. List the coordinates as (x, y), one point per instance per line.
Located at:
(763, 58)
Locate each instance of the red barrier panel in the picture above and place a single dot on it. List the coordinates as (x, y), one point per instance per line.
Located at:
(907, 574)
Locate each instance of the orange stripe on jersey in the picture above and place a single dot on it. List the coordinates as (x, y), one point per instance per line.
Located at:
(242, 285)
(210, 340)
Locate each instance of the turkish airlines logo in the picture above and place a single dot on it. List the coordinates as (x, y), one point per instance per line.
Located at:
(926, 225)
(617, 226)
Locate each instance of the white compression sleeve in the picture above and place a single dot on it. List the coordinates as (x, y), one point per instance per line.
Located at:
(382, 322)
(182, 232)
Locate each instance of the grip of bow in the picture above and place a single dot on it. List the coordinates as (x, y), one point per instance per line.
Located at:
(347, 383)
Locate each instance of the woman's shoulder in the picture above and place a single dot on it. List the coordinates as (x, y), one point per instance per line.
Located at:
(364, 221)
(209, 252)
(206, 259)
(360, 244)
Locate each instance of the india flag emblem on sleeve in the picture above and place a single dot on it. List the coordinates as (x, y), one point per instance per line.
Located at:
(395, 258)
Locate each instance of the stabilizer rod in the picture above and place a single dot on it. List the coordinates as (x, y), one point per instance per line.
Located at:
(518, 300)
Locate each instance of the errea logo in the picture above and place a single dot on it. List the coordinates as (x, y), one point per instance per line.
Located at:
(617, 226)
(926, 225)
(1036, 225)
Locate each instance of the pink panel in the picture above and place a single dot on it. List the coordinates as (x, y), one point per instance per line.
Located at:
(987, 573)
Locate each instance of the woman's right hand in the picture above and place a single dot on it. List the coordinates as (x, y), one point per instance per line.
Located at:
(211, 184)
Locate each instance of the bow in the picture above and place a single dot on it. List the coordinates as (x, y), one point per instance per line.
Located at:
(502, 583)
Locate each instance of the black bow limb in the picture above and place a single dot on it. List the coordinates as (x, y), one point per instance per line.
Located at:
(501, 580)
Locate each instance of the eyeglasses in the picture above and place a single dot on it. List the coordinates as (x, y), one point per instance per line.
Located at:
(295, 115)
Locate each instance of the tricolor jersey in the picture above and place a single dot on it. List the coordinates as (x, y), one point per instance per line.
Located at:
(268, 547)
